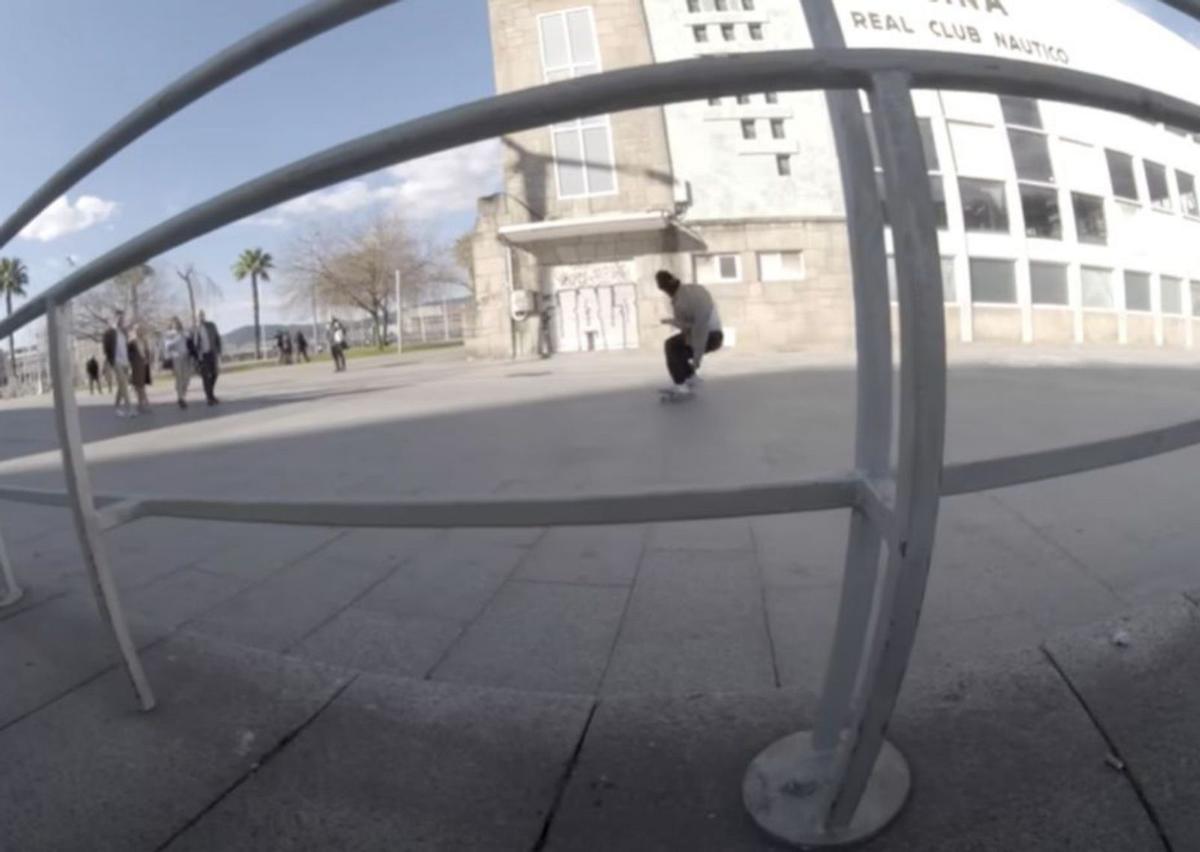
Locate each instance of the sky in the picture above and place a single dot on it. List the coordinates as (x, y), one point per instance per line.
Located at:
(83, 64)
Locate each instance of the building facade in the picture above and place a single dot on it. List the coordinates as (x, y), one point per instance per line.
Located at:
(1058, 224)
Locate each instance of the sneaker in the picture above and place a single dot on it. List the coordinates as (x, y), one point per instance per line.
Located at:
(694, 381)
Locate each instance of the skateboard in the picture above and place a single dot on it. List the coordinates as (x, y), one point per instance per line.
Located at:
(670, 395)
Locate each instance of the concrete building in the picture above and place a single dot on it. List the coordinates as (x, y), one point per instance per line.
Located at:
(1059, 224)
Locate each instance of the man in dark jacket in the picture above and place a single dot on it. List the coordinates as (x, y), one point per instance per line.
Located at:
(207, 341)
(116, 359)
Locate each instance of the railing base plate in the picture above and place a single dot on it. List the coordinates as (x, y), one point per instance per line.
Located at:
(11, 597)
(782, 792)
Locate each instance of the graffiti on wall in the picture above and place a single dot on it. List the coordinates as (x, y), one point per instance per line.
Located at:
(596, 306)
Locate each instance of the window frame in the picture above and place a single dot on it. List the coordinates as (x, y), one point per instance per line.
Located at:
(1194, 195)
(737, 258)
(1022, 101)
(758, 258)
(700, 33)
(1022, 188)
(1007, 229)
(578, 127)
(1109, 155)
(728, 33)
(1169, 206)
(693, 6)
(1079, 238)
(756, 31)
(749, 129)
(1162, 291)
(783, 165)
(1148, 280)
(1011, 264)
(1065, 268)
(778, 128)
(1112, 288)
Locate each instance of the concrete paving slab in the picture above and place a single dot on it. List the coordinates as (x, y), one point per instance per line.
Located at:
(721, 535)
(1004, 759)
(373, 642)
(49, 649)
(395, 764)
(173, 600)
(801, 550)
(539, 636)
(596, 555)
(257, 552)
(92, 772)
(1146, 697)
(452, 579)
(802, 622)
(283, 609)
(695, 623)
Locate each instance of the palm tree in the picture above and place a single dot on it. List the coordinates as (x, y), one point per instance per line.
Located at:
(257, 264)
(13, 278)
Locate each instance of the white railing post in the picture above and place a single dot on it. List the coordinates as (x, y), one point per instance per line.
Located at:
(83, 505)
(788, 788)
(10, 592)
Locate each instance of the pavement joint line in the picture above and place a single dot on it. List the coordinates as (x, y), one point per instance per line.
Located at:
(395, 569)
(565, 779)
(466, 626)
(259, 764)
(1061, 548)
(26, 605)
(760, 576)
(583, 584)
(1114, 749)
(647, 532)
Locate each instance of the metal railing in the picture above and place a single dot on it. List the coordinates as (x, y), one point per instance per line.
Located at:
(843, 781)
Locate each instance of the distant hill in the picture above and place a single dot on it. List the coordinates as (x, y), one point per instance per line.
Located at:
(243, 336)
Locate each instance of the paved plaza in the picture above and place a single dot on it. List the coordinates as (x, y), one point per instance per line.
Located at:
(593, 688)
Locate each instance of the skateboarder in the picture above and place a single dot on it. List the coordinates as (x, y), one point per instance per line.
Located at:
(699, 324)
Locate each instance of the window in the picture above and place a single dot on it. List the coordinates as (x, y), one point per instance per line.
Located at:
(583, 154)
(1042, 216)
(568, 44)
(718, 268)
(783, 165)
(771, 97)
(727, 32)
(756, 32)
(714, 101)
(1120, 171)
(1171, 290)
(1137, 291)
(984, 205)
(993, 282)
(1189, 202)
(1196, 298)
(748, 5)
(1090, 223)
(937, 189)
(780, 266)
(777, 131)
(743, 99)
(1048, 282)
(1023, 112)
(1098, 288)
(700, 33)
(722, 5)
(583, 158)
(748, 129)
(1156, 184)
(1031, 152)
(693, 5)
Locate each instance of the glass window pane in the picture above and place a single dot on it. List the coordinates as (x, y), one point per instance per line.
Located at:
(1031, 152)
(693, 5)
(931, 157)
(771, 97)
(700, 33)
(1098, 288)
(743, 99)
(1090, 222)
(748, 131)
(1196, 298)
(582, 40)
(1048, 282)
(756, 32)
(984, 205)
(1021, 111)
(555, 52)
(727, 266)
(993, 281)
(1120, 170)
(1188, 199)
(568, 159)
(938, 190)
(1156, 184)
(599, 160)
(949, 290)
(748, 5)
(783, 164)
(1042, 216)
(1172, 295)
(777, 131)
(780, 266)
(727, 32)
(1137, 291)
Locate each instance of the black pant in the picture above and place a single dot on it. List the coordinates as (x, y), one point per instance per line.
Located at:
(680, 354)
(208, 375)
(339, 356)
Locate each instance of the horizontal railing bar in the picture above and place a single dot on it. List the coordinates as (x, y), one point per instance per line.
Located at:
(253, 50)
(48, 497)
(649, 507)
(1021, 469)
(612, 91)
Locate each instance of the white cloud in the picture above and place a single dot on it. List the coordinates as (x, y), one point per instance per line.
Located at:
(444, 183)
(64, 217)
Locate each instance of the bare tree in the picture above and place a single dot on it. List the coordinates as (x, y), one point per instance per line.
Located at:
(354, 268)
(199, 285)
(144, 295)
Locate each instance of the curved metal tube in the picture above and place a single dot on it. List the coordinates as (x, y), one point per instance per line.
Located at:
(252, 51)
(612, 91)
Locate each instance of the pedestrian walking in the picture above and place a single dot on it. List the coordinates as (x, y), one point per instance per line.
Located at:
(180, 356)
(93, 374)
(207, 342)
(139, 368)
(116, 360)
(301, 347)
(337, 344)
